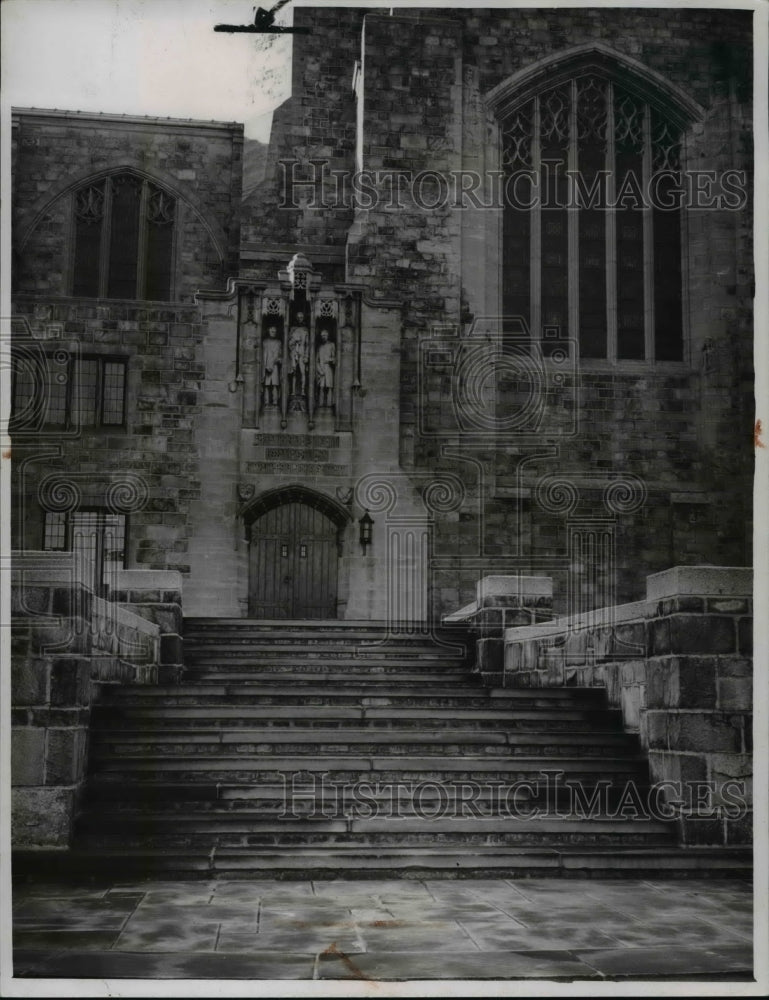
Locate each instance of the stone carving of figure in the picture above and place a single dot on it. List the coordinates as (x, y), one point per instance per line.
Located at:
(272, 360)
(299, 354)
(326, 361)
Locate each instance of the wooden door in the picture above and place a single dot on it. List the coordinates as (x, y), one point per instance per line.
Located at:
(293, 569)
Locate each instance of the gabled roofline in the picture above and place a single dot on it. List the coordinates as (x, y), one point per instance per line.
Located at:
(108, 119)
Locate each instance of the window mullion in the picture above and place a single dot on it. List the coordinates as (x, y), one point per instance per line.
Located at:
(535, 275)
(106, 239)
(684, 250)
(573, 221)
(141, 263)
(648, 240)
(71, 393)
(611, 230)
(99, 404)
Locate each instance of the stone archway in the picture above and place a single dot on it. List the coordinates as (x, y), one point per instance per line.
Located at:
(294, 537)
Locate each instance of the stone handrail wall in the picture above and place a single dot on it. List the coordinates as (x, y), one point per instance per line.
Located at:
(679, 666)
(66, 643)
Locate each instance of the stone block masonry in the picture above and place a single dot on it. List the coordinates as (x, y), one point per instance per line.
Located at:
(420, 108)
(150, 453)
(145, 458)
(201, 162)
(63, 652)
(677, 668)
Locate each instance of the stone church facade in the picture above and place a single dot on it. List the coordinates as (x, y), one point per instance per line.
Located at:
(487, 313)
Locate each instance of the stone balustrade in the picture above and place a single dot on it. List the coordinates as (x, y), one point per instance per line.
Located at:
(679, 666)
(67, 641)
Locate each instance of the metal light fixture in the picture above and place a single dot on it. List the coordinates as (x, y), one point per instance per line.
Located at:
(365, 525)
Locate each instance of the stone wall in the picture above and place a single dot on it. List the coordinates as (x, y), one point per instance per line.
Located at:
(679, 667)
(682, 428)
(317, 123)
(149, 461)
(65, 642)
(401, 92)
(146, 468)
(55, 151)
(156, 595)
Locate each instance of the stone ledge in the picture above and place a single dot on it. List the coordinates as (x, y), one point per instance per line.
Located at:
(148, 579)
(122, 616)
(705, 581)
(49, 568)
(501, 592)
(520, 587)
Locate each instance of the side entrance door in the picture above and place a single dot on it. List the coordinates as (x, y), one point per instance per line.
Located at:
(293, 563)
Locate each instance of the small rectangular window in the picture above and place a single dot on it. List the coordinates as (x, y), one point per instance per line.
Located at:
(95, 537)
(83, 392)
(85, 401)
(113, 393)
(55, 538)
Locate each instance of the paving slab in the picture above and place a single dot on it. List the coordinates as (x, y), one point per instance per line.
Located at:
(438, 936)
(387, 930)
(406, 965)
(517, 938)
(143, 965)
(169, 935)
(680, 961)
(64, 940)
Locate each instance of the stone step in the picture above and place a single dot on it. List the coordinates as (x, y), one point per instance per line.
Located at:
(109, 743)
(308, 717)
(174, 693)
(109, 793)
(233, 696)
(345, 646)
(277, 718)
(315, 627)
(433, 862)
(375, 676)
(184, 832)
(304, 656)
(350, 768)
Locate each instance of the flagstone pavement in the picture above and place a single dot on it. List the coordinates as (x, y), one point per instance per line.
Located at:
(421, 929)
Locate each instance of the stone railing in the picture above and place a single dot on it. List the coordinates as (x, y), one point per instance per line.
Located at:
(502, 602)
(679, 666)
(157, 596)
(66, 643)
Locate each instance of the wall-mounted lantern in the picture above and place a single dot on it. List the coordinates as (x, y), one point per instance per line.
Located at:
(365, 524)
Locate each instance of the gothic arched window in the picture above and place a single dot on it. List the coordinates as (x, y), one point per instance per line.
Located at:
(124, 239)
(591, 225)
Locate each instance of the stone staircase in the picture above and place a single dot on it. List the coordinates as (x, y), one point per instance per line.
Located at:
(307, 749)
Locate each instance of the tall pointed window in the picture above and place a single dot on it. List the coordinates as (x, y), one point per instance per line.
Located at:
(591, 228)
(124, 236)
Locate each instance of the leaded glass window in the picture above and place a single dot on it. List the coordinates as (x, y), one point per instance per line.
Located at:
(124, 239)
(585, 249)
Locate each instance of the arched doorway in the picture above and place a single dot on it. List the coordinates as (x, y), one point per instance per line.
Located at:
(294, 546)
